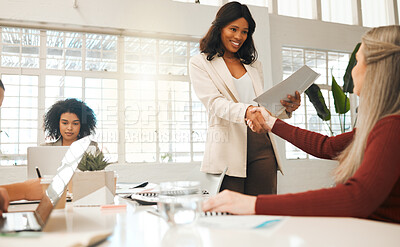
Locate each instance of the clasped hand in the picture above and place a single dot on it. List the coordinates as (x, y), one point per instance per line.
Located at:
(260, 120)
(268, 120)
(256, 119)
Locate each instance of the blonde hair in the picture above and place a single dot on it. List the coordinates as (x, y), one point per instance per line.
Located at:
(380, 94)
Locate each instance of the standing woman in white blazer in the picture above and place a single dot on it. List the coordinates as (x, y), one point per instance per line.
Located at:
(226, 77)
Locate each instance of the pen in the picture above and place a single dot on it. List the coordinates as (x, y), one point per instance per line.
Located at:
(38, 172)
(144, 184)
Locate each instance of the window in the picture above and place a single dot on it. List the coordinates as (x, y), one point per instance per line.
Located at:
(62, 87)
(102, 96)
(339, 11)
(19, 120)
(325, 63)
(173, 57)
(20, 47)
(140, 55)
(64, 50)
(398, 10)
(375, 13)
(155, 118)
(101, 52)
(160, 120)
(296, 8)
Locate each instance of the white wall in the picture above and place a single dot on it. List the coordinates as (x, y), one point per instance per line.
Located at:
(166, 17)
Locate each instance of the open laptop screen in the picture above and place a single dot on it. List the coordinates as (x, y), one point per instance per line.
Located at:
(46, 158)
(60, 181)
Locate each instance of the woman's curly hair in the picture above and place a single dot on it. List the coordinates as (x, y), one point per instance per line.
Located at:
(211, 43)
(85, 114)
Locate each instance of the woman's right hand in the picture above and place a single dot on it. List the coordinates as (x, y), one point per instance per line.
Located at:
(269, 120)
(231, 202)
(256, 119)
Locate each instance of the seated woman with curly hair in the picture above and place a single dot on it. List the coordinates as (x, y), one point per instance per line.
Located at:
(67, 121)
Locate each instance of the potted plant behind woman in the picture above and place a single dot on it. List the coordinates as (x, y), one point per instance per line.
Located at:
(91, 184)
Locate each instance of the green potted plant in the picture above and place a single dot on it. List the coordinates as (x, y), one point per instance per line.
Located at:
(93, 162)
(91, 184)
(340, 96)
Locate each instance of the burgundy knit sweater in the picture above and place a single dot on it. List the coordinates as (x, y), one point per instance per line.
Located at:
(372, 192)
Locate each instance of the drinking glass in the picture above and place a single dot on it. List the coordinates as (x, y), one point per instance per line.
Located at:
(180, 202)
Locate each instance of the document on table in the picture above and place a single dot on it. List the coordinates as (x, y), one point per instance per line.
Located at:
(242, 221)
(298, 81)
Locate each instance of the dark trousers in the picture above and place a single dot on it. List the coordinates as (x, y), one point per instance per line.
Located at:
(261, 172)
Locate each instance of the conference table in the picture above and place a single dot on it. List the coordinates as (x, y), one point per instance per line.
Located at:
(135, 225)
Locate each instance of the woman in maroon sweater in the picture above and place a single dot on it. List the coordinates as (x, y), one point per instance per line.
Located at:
(368, 176)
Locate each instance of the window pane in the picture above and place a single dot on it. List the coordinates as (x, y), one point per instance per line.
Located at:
(101, 95)
(339, 11)
(20, 47)
(173, 57)
(101, 52)
(140, 121)
(19, 118)
(296, 8)
(174, 120)
(62, 87)
(375, 13)
(64, 50)
(398, 9)
(140, 55)
(199, 128)
(325, 63)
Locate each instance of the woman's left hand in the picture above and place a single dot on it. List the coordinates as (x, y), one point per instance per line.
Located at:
(292, 103)
(231, 202)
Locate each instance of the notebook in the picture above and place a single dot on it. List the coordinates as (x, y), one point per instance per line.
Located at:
(36, 220)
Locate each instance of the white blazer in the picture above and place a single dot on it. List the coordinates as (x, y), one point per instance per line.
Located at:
(226, 143)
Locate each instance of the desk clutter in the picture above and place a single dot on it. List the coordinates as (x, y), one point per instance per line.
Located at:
(151, 198)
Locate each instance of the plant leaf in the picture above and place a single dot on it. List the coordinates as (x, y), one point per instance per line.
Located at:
(347, 78)
(316, 98)
(342, 103)
(93, 162)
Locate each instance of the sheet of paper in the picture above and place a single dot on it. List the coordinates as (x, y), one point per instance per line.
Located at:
(298, 81)
(242, 222)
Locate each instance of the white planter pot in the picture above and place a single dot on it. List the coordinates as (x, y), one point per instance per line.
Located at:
(93, 188)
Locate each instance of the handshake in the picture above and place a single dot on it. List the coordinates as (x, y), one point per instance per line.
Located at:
(259, 119)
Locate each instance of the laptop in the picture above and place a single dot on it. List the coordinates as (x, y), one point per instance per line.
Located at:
(46, 158)
(36, 220)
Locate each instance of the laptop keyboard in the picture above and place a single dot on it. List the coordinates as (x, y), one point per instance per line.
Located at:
(24, 221)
